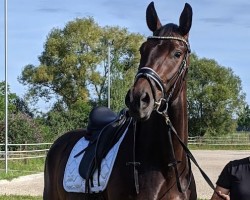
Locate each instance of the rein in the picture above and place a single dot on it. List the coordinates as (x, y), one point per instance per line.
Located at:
(189, 156)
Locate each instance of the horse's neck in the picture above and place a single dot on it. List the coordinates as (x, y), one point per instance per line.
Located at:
(151, 140)
(152, 134)
(179, 119)
(178, 115)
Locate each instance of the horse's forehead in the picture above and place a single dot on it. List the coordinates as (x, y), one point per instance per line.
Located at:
(168, 29)
(157, 49)
(171, 30)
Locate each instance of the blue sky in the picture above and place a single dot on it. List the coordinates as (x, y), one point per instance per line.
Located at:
(220, 29)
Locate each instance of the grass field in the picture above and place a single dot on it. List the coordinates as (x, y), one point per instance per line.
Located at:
(29, 198)
(13, 197)
(18, 168)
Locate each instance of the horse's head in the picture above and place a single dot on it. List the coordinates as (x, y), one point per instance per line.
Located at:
(163, 65)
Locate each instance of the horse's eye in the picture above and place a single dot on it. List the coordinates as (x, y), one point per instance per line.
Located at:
(177, 54)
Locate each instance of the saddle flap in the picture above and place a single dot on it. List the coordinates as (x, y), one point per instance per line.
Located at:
(87, 161)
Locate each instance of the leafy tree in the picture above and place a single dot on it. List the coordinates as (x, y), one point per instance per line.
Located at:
(24, 129)
(15, 103)
(214, 97)
(125, 59)
(119, 88)
(244, 119)
(22, 106)
(73, 65)
(22, 126)
(12, 98)
(73, 68)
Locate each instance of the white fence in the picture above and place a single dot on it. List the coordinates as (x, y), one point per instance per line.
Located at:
(234, 140)
(39, 150)
(25, 151)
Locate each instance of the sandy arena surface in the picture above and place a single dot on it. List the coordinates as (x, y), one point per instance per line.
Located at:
(212, 162)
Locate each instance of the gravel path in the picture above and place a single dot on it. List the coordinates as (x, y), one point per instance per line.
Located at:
(25, 185)
(212, 162)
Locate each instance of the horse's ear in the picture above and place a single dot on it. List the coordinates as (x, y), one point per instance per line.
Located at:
(153, 21)
(185, 21)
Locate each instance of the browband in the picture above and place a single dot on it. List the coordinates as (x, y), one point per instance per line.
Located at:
(172, 38)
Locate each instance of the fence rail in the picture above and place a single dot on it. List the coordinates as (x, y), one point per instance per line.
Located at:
(25, 151)
(39, 150)
(230, 140)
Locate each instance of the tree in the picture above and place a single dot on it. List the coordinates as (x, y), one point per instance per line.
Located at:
(24, 129)
(22, 125)
(73, 65)
(12, 98)
(214, 97)
(125, 59)
(11, 108)
(244, 119)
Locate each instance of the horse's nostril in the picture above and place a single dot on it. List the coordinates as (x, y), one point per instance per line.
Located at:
(145, 100)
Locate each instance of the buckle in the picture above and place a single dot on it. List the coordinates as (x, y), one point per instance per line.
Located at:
(158, 105)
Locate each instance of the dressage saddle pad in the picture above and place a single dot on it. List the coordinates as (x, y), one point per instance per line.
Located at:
(73, 182)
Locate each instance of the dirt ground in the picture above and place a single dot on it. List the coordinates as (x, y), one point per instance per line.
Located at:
(212, 162)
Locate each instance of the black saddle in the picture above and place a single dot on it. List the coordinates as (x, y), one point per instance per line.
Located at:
(106, 128)
(99, 117)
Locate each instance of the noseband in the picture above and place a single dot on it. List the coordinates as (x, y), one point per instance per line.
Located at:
(152, 75)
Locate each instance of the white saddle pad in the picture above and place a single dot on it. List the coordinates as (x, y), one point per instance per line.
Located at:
(73, 182)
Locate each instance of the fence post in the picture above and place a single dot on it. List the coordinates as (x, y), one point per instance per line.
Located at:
(25, 148)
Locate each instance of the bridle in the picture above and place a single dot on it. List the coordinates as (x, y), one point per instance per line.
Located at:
(161, 107)
(151, 75)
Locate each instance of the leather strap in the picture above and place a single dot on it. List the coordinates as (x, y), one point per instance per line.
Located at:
(190, 155)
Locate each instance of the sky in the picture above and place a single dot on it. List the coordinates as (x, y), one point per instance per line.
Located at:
(220, 29)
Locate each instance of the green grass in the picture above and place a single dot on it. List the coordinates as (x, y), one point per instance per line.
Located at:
(18, 168)
(14, 197)
(27, 198)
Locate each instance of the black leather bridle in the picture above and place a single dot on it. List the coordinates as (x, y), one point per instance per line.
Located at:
(151, 75)
(161, 106)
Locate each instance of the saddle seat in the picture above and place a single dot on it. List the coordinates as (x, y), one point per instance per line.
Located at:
(99, 117)
(104, 129)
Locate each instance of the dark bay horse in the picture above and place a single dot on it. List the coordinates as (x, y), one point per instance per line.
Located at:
(151, 163)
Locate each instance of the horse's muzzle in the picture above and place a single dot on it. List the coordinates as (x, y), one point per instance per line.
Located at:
(140, 104)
